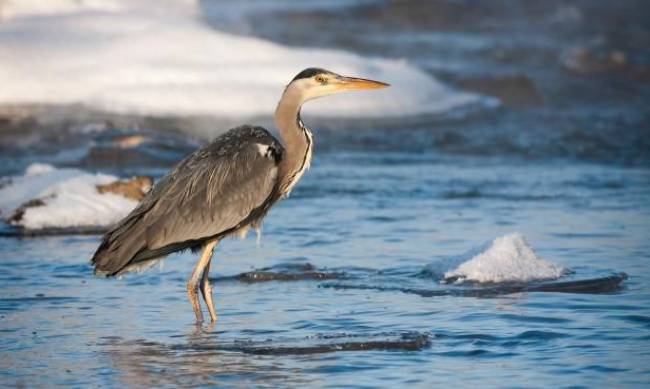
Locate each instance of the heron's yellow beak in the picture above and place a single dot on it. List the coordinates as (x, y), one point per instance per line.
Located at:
(352, 83)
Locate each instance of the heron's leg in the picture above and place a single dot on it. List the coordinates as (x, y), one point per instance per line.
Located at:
(193, 283)
(206, 291)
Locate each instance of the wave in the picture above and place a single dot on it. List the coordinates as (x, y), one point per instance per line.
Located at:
(142, 57)
(508, 258)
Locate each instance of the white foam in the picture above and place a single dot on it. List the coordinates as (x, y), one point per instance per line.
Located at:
(139, 56)
(70, 196)
(508, 258)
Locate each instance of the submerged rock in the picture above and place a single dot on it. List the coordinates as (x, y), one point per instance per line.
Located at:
(286, 272)
(607, 284)
(263, 276)
(314, 344)
(408, 341)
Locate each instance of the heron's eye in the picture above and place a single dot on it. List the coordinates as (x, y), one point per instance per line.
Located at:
(321, 79)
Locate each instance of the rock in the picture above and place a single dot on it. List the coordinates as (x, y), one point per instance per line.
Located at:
(134, 188)
(591, 62)
(583, 61)
(513, 91)
(130, 141)
(17, 216)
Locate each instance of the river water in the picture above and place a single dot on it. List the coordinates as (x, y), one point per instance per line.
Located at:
(339, 291)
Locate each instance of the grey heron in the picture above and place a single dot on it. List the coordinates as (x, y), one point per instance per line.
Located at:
(222, 189)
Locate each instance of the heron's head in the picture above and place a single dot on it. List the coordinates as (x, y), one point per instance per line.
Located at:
(315, 82)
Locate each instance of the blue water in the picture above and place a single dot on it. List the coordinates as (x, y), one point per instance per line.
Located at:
(356, 213)
(381, 201)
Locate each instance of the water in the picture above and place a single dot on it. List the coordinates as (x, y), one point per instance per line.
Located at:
(60, 322)
(348, 303)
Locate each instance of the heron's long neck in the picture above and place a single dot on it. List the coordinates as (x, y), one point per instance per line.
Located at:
(296, 137)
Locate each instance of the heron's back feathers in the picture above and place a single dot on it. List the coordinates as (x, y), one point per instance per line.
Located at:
(226, 185)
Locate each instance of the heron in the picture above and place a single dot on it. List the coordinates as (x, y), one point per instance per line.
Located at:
(222, 189)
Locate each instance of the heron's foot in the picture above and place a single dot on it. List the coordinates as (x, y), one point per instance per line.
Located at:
(206, 291)
(209, 327)
(193, 294)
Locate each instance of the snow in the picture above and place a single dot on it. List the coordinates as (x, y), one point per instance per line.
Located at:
(144, 57)
(39, 169)
(508, 258)
(70, 196)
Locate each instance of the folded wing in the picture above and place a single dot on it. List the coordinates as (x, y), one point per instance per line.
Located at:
(226, 185)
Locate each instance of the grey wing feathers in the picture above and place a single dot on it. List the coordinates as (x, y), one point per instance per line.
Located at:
(223, 186)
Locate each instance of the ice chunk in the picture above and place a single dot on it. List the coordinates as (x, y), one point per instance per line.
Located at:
(508, 258)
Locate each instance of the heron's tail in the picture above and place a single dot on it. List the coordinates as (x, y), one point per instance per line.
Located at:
(124, 248)
(118, 248)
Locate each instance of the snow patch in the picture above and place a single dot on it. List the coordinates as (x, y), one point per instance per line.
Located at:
(508, 258)
(37, 169)
(143, 57)
(70, 198)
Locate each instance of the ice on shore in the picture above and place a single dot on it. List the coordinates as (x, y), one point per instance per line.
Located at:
(160, 58)
(69, 198)
(507, 258)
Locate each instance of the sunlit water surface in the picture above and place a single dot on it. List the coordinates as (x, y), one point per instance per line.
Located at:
(356, 213)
